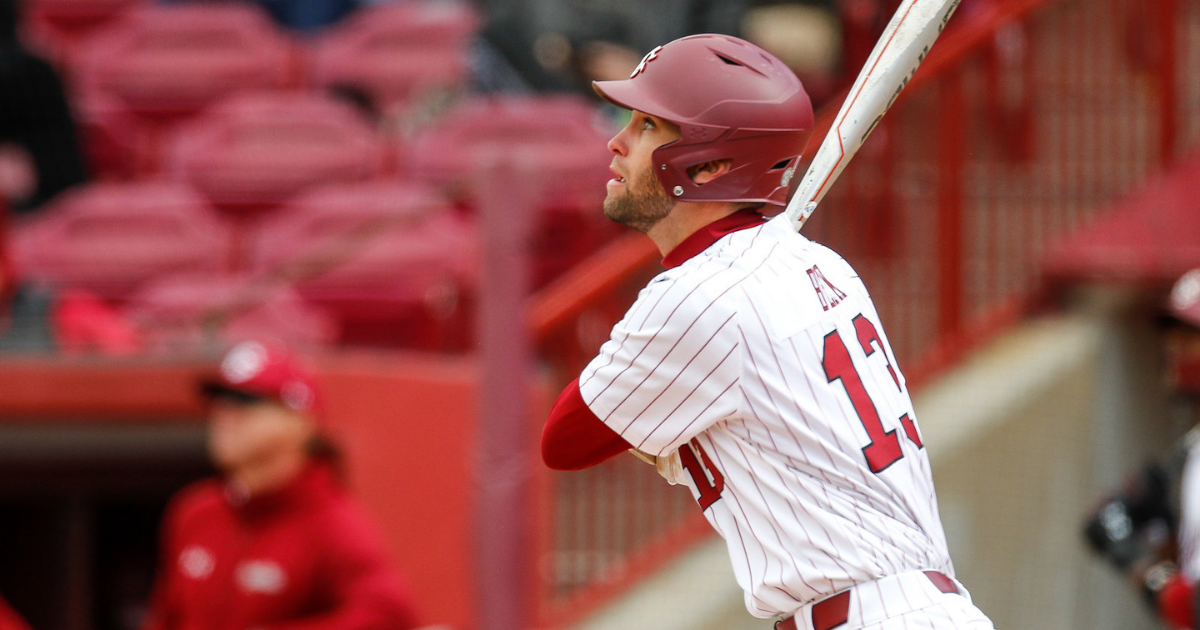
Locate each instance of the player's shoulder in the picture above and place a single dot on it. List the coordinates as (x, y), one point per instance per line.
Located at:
(801, 282)
(196, 500)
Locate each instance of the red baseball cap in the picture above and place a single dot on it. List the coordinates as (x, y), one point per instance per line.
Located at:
(267, 370)
(1184, 304)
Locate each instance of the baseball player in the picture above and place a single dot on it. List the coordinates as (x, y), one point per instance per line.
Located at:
(1150, 529)
(276, 542)
(755, 369)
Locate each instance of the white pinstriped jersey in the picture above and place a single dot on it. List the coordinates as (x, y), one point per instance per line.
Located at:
(762, 359)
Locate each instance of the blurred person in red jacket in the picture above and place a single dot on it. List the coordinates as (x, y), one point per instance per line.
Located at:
(275, 542)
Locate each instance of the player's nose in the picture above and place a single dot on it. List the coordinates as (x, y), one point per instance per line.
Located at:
(617, 143)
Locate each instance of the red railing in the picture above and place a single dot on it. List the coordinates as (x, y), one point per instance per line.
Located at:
(1027, 117)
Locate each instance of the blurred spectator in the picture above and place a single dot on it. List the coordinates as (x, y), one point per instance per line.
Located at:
(805, 36)
(39, 150)
(276, 542)
(9, 619)
(1150, 529)
(556, 45)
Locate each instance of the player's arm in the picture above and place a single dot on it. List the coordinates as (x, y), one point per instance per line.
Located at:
(574, 438)
(671, 367)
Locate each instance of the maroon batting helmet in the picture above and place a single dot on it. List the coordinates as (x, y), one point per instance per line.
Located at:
(732, 100)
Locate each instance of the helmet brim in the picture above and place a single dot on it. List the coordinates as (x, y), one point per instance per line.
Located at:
(625, 94)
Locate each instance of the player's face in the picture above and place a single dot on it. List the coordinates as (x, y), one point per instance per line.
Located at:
(635, 196)
(245, 434)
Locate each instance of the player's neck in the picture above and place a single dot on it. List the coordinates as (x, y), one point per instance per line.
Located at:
(684, 220)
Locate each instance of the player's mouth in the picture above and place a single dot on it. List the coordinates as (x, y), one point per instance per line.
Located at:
(619, 180)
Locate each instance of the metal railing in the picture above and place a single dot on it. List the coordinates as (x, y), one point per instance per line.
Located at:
(1027, 117)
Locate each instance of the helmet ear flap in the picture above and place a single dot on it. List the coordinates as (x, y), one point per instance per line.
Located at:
(759, 172)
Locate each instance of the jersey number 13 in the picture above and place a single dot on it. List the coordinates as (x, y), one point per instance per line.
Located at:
(884, 447)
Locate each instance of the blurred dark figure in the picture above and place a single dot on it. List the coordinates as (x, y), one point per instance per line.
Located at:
(37, 133)
(1149, 530)
(805, 35)
(563, 45)
(308, 16)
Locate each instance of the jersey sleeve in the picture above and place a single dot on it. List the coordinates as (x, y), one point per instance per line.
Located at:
(574, 438)
(671, 367)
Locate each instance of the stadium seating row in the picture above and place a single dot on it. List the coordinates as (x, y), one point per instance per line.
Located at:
(379, 258)
(173, 59)
(237, 188)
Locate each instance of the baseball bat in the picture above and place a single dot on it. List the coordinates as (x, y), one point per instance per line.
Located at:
(900, 50)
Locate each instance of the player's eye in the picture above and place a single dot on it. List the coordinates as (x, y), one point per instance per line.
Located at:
(647, 124)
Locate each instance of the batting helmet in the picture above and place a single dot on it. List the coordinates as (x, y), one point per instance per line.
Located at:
(732, 100)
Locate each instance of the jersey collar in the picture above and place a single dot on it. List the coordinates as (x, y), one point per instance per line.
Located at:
(701, 239)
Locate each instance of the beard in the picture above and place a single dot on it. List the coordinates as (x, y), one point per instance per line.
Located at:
(642, 205)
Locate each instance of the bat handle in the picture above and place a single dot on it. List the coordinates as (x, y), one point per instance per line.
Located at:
(806, 212)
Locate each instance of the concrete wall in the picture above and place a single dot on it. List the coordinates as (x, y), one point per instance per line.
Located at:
(1023, 439)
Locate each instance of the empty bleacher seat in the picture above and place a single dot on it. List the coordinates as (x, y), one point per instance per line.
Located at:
(116, 144)
(172, 60)
(564, 139)
(255, 151)
(395, 52)
(194, 312)
(110, 238)
(563, 136)
(391, 259)
(66, 21)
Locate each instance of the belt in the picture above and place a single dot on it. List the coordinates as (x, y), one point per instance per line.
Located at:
(833, 611)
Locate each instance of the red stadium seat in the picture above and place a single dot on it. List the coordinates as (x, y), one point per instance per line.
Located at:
(391, 259)
(67, 21)
(117, 145)
(563, 135)
(184, 313)
(395, 52)
(172, 60)
(111, 238)
(255, 151)
(567, 142)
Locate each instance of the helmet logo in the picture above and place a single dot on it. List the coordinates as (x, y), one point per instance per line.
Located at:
(244, 362)
(787, 176)
(1187, 291)
(650, 56)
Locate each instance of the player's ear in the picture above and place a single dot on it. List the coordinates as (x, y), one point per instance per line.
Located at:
(706, 172)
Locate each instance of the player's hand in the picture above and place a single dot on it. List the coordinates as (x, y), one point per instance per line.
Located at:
(669, 466)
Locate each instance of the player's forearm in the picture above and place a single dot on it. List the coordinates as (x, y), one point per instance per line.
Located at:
(574, 438)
